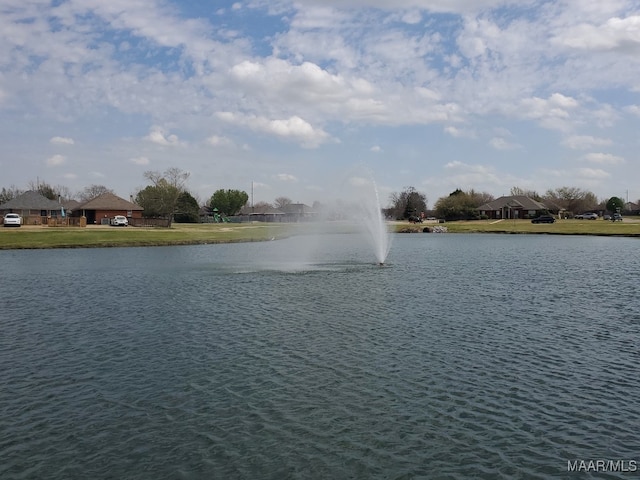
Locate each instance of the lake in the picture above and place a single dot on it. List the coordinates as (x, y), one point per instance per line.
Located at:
(484, 356)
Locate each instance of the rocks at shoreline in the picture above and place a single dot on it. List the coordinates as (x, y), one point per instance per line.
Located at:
(419, 229)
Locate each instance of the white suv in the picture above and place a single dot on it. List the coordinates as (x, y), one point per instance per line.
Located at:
(119, 221)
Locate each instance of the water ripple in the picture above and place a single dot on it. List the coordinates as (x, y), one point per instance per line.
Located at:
(450, 363)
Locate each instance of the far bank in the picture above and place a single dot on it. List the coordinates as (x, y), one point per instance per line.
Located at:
(35, 237)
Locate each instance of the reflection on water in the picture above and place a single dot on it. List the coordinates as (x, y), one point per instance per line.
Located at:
(467, 356)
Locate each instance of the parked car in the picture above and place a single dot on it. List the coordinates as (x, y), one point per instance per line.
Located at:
(12, 220)
(579, 216)
(119, 221)
(616, 217)
(590, 216)
(544, 219)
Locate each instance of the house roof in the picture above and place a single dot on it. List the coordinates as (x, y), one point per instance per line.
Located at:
(31, 200)
(513, 201)
(71, 204)
(269, 211)
(297, 208)
(108, 201)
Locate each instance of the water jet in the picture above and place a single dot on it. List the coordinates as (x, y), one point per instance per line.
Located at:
(369, 216)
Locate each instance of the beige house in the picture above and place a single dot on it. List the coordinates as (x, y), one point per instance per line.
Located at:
(34, 208)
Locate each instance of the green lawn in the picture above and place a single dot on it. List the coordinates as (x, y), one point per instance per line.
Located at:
(179, 234)
(185, 234)
(630, 227)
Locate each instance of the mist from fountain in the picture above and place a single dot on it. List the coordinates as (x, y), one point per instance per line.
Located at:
(368, 214)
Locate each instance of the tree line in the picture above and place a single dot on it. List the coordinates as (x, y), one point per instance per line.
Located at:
(463, 205)
(166, 196)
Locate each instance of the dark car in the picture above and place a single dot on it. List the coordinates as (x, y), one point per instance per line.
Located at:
(544, 219)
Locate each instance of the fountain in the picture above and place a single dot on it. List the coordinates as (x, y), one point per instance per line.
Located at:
(368, 214)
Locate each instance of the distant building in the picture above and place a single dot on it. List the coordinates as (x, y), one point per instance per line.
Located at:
(101, 209)
(33, 207)
(513, 206)
(631, 208)
(296, 212)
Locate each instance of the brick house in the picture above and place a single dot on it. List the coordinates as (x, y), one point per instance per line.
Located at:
(34, 208)
(101, 209)
(513, 206)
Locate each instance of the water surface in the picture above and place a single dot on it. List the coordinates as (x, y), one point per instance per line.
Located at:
(482, 356)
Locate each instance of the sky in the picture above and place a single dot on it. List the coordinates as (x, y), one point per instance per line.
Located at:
(284, 99)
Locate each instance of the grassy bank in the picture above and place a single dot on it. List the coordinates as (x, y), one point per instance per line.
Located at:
(630, 227)
(99, 236)
(187, 234)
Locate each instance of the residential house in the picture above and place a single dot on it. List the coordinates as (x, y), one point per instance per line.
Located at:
(267, 215)
(34, 208)
(513, 206)
(296, 212)
(101, 209)
(631, 208)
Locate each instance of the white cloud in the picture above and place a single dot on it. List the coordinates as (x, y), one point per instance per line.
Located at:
(553, 113)
(61, 141)
(285, 177)
(500, 143)
(140, 160)
(633, 109)
(479, 177)
(614, 34)
(412, 17)
(317, 73)
(450, 6)
(294, 128)
(56, 161)
(585, 142)
(459, 132)
(219, 141)
(593, 173)
(604, 158)
(159, 136)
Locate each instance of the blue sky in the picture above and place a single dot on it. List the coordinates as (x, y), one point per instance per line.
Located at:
(289, 96)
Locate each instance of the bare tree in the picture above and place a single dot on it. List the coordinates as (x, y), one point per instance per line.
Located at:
(573, 199)
(480, 198)
(515, 191)
(93, 191)
(262, 207)
(57, 192)
(282, 202)
(10, 193)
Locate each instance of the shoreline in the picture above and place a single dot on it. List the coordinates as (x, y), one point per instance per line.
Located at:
(37, 237)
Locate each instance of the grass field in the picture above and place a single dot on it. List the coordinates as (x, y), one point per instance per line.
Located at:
(629, 227)
(99, 236)
(186, 234)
